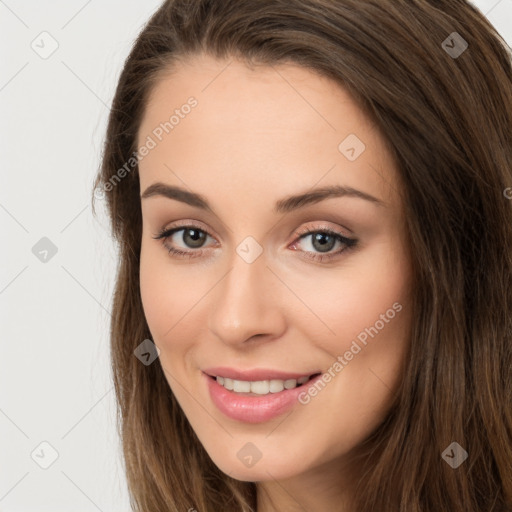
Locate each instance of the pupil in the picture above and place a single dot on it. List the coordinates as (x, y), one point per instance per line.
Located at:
(322, 238)
(196, 238)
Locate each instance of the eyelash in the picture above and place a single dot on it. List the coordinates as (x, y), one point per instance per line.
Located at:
(323, 258)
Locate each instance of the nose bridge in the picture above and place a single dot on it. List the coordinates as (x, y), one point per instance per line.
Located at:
(246, 300)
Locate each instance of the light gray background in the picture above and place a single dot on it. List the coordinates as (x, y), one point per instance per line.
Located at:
(54, 367)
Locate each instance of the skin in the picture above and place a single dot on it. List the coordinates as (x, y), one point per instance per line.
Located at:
(256, 136)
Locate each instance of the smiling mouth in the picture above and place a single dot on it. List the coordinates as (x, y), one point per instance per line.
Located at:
(260, 387)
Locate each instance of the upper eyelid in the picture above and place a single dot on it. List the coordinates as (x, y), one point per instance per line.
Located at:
(198, 225)
(172, 230)
(305, 232)
(193, 223)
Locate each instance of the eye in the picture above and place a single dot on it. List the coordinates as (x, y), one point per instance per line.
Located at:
(322, 240)
(192, 237)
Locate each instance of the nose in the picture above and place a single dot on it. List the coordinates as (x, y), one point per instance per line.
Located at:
(247, 303)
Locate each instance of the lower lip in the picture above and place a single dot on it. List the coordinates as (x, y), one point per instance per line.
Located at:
(254, 409)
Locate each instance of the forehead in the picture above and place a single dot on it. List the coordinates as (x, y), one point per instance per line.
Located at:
(257, 125)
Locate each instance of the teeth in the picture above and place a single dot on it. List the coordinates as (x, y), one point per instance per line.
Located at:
(275, 386)
(260, 387)
(241, 386)
(290, 383)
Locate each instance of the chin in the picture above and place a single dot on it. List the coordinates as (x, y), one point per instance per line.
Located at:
(263, 470)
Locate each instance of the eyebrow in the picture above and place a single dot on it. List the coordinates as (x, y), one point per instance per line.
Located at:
(285, 205)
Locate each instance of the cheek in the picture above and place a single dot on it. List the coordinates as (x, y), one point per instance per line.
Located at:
(171, 296)
(345, 299)
(153, 281)
(349, 299)
(158, 287)
(366, 309)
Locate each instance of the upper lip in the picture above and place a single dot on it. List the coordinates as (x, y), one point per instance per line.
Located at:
(254, 374)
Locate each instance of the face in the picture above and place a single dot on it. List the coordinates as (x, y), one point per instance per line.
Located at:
(242, 282)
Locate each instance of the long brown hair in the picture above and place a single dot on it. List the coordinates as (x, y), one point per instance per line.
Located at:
(445, 112)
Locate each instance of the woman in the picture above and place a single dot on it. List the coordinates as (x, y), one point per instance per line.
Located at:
(312, 308)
